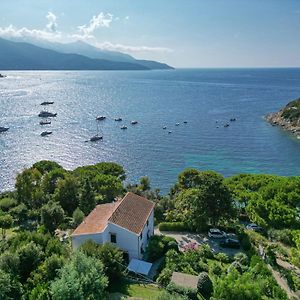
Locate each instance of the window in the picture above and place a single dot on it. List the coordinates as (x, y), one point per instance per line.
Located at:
(141, 236)
(147, 222)
(113, 238)
(142, 250)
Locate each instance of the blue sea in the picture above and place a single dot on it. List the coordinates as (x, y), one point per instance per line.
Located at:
(205, 98)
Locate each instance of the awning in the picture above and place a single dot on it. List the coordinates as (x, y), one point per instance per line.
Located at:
(139, 266)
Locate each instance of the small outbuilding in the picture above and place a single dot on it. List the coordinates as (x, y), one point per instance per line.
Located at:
(185, 280)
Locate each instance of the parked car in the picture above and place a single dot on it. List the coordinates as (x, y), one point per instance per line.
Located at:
(254, 227)
(216, 233)
(230, 243)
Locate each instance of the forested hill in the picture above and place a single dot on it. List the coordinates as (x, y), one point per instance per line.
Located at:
(26, 56)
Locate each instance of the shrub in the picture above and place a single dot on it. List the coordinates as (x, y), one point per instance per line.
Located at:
(284, 236)
(215, 268)
(173, 226)
(242, 258)
(245, 241)
(205, 251)
(7, 203)
(167, 296)
(78, 216)
(222, 257)
(205, 285)
(188, 292)
(158, 246)
(164, 277)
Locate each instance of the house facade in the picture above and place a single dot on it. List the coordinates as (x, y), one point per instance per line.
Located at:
(127, 223)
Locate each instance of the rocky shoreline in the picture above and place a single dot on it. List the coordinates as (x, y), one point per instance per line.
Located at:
(287, 118)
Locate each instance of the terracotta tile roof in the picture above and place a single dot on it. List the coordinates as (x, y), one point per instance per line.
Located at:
(96, 221)
(132, 213)
(185, 280)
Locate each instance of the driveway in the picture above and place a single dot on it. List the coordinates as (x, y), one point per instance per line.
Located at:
(185, 238)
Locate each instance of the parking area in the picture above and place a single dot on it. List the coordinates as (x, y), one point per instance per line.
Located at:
(190, 240)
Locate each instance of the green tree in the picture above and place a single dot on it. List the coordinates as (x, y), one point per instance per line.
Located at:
(45, 166)
(28, 188)
(52, 215)
(10, 288)
(48, 270)
(78, 216)
(189, 179)
(108, 186)
(109, 255)
(5, 223)
(66, 194)
(191, 207)
(87, 200)
(30, 256)
(145, 183)
(10, 263)
(50, 180)
(80, 279)
(7, 203)
(211, 198)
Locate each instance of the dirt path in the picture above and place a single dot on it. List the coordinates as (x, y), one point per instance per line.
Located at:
(283, 284)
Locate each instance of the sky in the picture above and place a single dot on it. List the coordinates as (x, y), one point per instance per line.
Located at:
(182, 33)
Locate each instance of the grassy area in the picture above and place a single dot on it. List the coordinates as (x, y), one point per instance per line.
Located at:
(144, 291)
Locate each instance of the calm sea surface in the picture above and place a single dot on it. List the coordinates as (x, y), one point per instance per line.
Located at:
(155, 99)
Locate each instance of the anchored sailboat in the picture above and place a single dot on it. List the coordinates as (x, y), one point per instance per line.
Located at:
(97, 136)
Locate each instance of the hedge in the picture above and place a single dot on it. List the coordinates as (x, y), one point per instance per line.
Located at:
(173, 226)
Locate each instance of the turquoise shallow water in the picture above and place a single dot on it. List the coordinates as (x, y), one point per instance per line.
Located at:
(155, 99)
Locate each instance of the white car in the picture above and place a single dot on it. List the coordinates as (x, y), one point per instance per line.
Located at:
(254, 227)
(216, 233)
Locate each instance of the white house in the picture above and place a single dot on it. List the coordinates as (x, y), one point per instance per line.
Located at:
(127, 223)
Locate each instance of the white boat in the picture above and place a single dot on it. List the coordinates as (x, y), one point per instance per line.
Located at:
(134, 122)
(177, 124)
(124, 127)
(165, 127)
(118, 119)
(100, 118)
(45, 122)
(97, 137)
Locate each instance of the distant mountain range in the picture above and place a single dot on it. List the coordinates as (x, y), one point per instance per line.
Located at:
(37, 55)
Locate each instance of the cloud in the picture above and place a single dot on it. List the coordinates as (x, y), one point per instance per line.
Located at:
(52, 25)
(101, 20)
(13, 32)
(49, 33)
(132, 49)
(84, 33)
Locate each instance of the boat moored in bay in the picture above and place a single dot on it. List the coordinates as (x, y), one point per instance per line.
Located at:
(44, 133)
(47, 102)
(46, 114)
(3, 129)
(100, 118)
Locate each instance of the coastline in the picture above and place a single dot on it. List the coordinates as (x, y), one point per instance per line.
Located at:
(279, 119)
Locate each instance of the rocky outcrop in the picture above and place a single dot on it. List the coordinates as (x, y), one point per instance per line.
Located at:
(288, 117)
